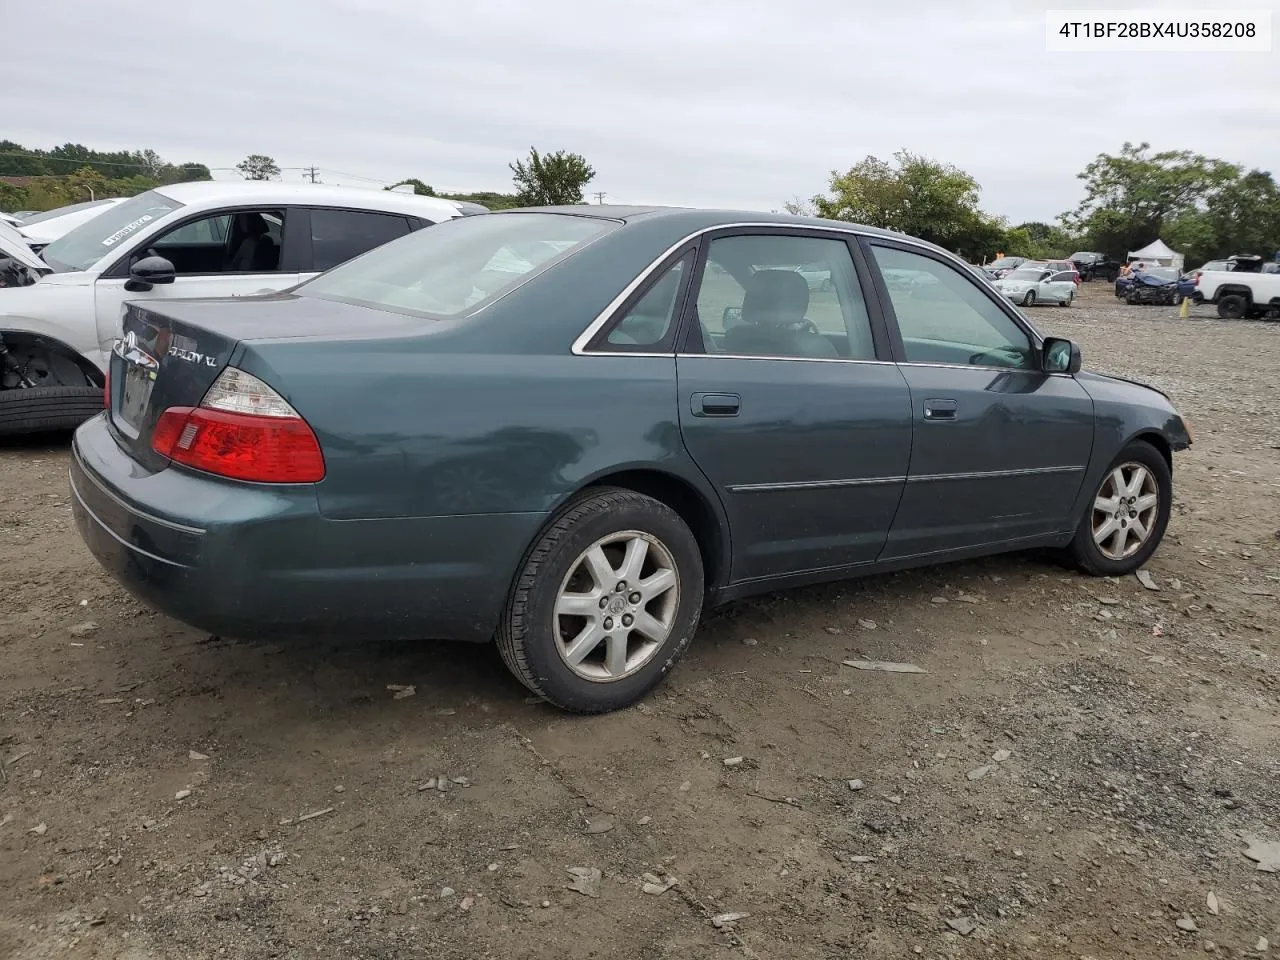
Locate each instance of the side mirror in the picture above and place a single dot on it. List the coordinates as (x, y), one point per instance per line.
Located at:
(147, 272)
(731, 317)
(1060, 356)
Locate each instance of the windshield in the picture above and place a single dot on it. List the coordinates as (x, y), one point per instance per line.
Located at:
(1033, 274)
(457, 266)
(1161, 273)
(81, 248)
(1004, 263)
(1084, 255)
(62, 211)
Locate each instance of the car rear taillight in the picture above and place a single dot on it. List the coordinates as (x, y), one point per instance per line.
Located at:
(242, 430)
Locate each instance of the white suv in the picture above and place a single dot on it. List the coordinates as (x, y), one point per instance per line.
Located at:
(61, 310)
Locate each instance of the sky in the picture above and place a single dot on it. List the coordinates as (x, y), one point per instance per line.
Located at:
(713, 103)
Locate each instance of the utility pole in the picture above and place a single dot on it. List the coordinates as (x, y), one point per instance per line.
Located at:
(309, 173)
(599, 195)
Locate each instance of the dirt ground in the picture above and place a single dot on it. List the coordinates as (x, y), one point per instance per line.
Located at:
(1079, 773)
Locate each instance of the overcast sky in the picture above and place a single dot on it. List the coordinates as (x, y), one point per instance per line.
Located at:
(734, 103)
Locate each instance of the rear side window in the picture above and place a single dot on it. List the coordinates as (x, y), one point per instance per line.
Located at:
(339, 235)
(457, 266)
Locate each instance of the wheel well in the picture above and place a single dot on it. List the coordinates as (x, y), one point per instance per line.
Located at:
(1226, 291)
(685, 500)
(19, 338)
(1160, 443)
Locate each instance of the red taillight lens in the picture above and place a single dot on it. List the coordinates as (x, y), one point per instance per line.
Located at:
(240, 446)
(106, 390)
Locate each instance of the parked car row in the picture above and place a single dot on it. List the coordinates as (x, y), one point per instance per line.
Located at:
(61, 307)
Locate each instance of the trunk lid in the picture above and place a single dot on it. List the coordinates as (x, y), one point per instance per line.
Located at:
(170, 355)
(160, 362)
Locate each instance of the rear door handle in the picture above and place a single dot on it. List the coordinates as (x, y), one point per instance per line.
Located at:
(940, 409)
(715, 404)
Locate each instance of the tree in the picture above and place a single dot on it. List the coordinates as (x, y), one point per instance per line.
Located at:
(258, 167)
(1129, 197)
(551, 180)
(917, 196)
(86, 184)
(799, 207)
(420, 188)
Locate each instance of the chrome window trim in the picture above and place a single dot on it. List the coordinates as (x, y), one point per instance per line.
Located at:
(579, 347)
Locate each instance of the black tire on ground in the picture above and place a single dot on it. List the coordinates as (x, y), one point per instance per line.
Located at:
(1233, 306)
(1067, 302)
(1029, 299)
(528, 633)
(41, 409)
(1085, 553)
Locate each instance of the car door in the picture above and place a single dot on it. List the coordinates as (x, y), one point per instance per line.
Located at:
(999, 448)
(223, 253)
(1062, 286)
(789, 404)
(336, 235)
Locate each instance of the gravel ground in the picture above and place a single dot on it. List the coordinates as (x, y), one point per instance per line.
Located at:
(1079, 773)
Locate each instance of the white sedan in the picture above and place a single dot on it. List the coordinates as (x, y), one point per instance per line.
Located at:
(1031, 285)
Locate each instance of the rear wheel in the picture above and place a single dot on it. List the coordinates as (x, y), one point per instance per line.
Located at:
(1067, 302)
(1233, 306)
(1124, 524)
(41, 409)
(605, 603)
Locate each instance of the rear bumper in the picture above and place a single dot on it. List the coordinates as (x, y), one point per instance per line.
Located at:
(260, 561)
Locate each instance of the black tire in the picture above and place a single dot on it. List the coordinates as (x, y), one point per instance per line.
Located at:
(1085, 553)
(1067, 302)
(1029, 299)
(1233, 306)
(47, 409)
(527, 635)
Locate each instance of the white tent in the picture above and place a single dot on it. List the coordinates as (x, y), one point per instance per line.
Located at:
(1157, 251)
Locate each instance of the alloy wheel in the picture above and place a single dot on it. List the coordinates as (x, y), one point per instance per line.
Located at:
(616, 606)
(1125, 511)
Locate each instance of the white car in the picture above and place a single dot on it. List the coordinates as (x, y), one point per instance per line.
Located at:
(61, 310)
(1031, 285)
(41, 229)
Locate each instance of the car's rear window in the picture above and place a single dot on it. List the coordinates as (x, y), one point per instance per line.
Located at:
(458, 266)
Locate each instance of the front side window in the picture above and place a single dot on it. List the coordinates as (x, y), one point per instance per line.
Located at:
(944, 317)
(458, 266)
(246, 241)
(777, 295)
(108, 232)
(340, 235)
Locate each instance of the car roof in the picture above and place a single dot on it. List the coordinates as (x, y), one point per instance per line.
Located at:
(203, 192)
(692, 219)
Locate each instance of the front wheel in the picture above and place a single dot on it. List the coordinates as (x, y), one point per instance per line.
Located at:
(1029, 299)
(605, 603)
(1124, 524)
(53, 409)
(1233, 306)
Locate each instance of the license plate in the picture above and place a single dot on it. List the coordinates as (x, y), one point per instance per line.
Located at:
(139, 381)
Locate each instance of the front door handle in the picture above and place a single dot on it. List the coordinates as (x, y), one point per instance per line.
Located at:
(715, 404)
(940, 409)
